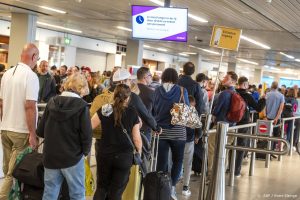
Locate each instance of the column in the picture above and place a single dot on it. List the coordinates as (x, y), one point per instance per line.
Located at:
(113, 60)
(258, 73)
(134, 53)
(231, 67)
(23, 30)
(197, 60)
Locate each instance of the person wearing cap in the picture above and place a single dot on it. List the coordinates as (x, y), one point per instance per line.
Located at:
(123, 76)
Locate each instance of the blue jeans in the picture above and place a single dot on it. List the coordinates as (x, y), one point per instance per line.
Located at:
(177, 149)
(75, 177)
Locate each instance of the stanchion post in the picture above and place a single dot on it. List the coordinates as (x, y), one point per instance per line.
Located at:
(267, 164)
(282, 136)
(216, 189)
(232, 164)
(252, 162)
(292, 138)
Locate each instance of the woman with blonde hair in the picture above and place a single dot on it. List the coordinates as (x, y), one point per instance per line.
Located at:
(66, 127)
(115, 155)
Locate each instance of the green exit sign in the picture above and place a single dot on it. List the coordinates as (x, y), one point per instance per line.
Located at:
(67, 41)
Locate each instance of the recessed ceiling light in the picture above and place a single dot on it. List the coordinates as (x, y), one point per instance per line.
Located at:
(286, 55)
(160, 3)
(183, 54)
(53, 9)
(247, 61)
(59, 27)
(189, 53)
(255, 42)
(124, 28)
(200, 19)
(161, 49)
(206, 50)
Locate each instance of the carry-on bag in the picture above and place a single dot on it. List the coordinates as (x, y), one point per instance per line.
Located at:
(157, 185)
(134, 186)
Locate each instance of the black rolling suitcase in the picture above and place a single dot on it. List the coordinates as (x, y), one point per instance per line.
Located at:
(261, 144)
(157, 185)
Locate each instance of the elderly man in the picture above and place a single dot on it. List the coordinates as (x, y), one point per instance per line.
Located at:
(47, 83)
(18, 108)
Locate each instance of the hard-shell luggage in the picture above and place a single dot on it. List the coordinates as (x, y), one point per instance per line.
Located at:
(157, 185)
(134, 186)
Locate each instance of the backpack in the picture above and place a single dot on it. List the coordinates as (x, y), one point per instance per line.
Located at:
(237, 107)
(289, 108)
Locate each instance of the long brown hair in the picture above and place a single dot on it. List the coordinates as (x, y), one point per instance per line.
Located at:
(121, 93)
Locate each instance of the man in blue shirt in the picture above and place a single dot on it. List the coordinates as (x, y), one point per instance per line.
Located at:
(274, 107)
(221, 108)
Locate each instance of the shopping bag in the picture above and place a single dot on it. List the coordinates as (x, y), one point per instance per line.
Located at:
(89, 180)
(133, 188)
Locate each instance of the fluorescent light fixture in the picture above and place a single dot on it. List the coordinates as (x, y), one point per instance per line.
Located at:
(210, 51)
(206, 50)
(181, 69)
(59, 27)
(189, 53)
(200, 19)
(247, 61)
(183, 54)
(255, 42)
(275, 69)
(270, 76)
(160, 3)
(266, 66)
(124, 28)
(286, 55)
(147, 46)
(53, 9)
(297, 60)
(161, 49)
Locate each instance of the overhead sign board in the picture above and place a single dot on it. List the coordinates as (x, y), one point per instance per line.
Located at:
(159, 23)
(225, 38)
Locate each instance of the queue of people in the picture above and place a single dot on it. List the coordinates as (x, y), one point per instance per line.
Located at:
(120, 105)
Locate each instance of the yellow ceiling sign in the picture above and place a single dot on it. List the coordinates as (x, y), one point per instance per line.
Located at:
(225, 38)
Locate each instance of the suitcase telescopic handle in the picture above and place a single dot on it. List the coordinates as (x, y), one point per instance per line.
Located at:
(154, 151)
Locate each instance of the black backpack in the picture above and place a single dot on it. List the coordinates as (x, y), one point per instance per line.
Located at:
(288, 108)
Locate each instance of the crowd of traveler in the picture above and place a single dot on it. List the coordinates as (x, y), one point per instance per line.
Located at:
(121, 104)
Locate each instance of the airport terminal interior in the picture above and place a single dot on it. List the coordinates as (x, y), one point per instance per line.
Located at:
(237, 63)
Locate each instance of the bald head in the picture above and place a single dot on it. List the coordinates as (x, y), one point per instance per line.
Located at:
(30, 55)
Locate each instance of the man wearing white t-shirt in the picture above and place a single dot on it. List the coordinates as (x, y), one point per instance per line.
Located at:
(18, 112)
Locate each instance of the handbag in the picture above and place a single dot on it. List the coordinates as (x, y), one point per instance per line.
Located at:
(185, 115)
(137, 160)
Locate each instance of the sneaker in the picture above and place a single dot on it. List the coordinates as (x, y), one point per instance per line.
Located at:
(294, 149)
(237, 175)
(186, 191)
(173, 193)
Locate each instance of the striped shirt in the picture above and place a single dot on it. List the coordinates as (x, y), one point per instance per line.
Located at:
(175, 133)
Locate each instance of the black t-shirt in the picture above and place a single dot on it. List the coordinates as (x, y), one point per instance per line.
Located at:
(113, 139)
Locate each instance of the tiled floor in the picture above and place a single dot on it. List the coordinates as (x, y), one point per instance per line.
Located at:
(280, 181)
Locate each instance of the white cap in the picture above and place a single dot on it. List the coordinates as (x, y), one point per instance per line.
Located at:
(122, 74)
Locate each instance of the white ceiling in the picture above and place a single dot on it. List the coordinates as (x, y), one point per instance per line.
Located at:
(276, 24)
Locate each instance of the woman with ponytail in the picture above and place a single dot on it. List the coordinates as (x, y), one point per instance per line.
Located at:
(115, 156)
